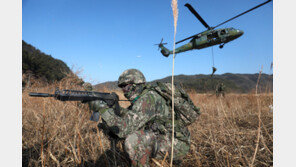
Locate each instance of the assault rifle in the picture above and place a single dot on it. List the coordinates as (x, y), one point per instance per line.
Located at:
(84, 96)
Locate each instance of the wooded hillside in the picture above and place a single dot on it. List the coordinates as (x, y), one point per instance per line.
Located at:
(40, 65)
(234, 83)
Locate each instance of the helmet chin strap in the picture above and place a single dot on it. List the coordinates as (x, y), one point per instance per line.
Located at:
(135, 91)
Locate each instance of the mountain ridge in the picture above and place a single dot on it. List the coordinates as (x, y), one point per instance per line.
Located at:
(203, 83)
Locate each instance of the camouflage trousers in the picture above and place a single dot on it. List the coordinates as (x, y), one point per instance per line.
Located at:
(143, 145)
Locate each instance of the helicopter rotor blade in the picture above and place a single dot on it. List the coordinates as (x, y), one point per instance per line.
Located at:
(197, 15)
(242, 13)
(161, 43)
(186, 38)
(190, 37)
(199, 18)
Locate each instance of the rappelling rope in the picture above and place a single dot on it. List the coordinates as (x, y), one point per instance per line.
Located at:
(175, 14)
(213, 57)
(214, 69)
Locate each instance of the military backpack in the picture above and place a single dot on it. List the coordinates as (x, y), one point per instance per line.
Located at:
(186, 112)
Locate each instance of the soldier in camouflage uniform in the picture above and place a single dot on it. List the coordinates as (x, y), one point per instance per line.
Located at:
(87, 86)
(146, 124)
(220, 90)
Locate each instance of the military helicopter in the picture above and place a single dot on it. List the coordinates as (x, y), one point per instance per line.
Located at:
(209, 37)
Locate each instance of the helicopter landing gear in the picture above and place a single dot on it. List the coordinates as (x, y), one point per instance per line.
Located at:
(221, 46)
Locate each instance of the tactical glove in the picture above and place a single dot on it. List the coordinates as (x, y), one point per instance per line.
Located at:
(98, 106)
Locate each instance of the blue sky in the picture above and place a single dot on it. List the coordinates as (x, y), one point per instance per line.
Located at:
(104, 38)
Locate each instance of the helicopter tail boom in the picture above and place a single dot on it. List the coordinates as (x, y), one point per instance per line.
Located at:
(164, 51)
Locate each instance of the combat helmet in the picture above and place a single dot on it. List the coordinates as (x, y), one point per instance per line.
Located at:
(87, 86)
(131, 76)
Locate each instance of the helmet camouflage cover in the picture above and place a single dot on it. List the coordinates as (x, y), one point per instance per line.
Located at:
(87, 86)
(131, 76)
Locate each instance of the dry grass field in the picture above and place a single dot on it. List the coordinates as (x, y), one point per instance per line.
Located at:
(236, 130)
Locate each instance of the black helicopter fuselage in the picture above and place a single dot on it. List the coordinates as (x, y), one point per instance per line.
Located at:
(215, 37)
(206, 39)
(211, 38)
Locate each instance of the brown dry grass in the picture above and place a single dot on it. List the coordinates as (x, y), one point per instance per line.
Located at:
(59, 133)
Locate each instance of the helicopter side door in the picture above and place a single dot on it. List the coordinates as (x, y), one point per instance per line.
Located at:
(213, 38)
(223, 33)
(200, 42)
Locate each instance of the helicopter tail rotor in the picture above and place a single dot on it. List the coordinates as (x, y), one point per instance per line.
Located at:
(164, 51)
(161, 45)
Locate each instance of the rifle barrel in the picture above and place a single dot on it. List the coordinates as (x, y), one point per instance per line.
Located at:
(41, 94)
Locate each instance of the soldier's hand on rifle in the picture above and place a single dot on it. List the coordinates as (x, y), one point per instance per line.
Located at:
(98, 105)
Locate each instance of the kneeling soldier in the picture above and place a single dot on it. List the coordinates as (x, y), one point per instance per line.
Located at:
(146, 124)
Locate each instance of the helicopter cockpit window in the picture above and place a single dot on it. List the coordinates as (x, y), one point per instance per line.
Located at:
(223, 32)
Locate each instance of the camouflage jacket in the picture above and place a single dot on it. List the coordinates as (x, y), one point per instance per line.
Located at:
(148, 112)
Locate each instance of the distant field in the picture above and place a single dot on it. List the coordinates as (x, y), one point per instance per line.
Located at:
(233, 131)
